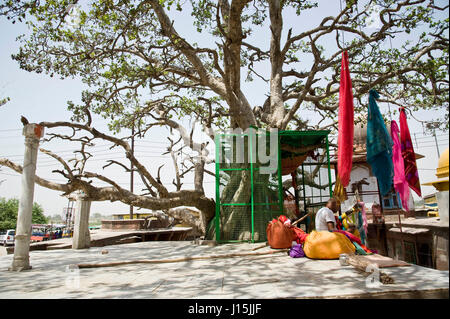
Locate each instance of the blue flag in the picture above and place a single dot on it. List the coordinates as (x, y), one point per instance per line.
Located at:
(379, 146)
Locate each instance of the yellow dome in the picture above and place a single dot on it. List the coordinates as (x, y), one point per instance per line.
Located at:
(442, 184)
(442, 169)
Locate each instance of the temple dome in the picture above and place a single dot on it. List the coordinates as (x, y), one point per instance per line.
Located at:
(359, 137)
(442, 169)
(442, 183)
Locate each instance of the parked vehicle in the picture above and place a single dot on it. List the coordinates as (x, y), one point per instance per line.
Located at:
(39, 233)
(43, 232)
(67, 232)
(7, 237)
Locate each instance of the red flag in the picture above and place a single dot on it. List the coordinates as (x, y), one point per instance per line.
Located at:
(409, 157)
(345, 134)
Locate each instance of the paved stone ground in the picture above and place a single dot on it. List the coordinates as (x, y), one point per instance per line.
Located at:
(269, 276)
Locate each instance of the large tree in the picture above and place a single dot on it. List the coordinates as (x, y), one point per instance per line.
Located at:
(142, 72)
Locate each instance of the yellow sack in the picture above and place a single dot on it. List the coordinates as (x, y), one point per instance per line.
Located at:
(327, 245)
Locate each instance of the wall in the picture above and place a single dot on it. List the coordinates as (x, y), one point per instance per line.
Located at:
(127, 216)
(361, 174)
(440, 241)
(389, 243)
(133, 224)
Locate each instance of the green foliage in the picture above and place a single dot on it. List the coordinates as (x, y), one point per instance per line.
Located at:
(4, 101)
(122, 53)
(37, 215)
(8, 213)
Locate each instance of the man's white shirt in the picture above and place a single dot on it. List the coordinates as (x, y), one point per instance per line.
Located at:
(323, 216)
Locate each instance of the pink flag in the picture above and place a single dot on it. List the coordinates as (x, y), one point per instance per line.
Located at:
(400, 182)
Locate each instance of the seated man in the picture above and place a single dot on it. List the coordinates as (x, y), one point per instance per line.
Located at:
(325, 220)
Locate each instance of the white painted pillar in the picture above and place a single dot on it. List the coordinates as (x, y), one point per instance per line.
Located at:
(443, 200)
(21, 260)
(81, 236)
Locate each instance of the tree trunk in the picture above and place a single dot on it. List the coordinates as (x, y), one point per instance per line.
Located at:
(236, 220)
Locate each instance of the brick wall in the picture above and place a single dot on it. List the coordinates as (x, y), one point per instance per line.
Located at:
(129, 224)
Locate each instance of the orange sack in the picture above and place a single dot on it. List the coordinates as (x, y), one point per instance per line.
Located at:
(327, 245)
(279, 235)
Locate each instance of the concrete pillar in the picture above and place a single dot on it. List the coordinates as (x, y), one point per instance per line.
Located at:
(443, 201)
(21, 260)
(81, 237)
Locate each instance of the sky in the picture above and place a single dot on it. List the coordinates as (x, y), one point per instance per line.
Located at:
(41, 98)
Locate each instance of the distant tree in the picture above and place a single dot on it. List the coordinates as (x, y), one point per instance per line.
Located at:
(38, 215)
(96, 216)
(8, 213)
(56, 218)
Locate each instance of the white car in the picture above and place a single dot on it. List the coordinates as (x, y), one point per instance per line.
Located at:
(7, 237)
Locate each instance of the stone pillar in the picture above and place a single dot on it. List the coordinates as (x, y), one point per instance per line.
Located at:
(443, 201)
(21, 260)
(81, 236)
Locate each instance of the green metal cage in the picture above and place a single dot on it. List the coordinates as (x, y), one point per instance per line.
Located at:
(249, 191)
